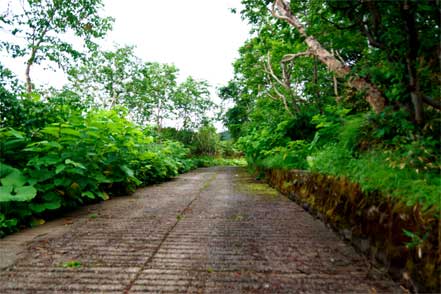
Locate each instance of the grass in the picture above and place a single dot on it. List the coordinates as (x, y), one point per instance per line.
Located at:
(207, 161)
(372, 171)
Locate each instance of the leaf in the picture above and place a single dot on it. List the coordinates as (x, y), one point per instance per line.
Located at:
(72, 132)
(25, 193)
(37, 222)
(76, 164)
(59, 168)
(9, 193)
(5, 190)
(15, 178)
(12, 145)
(16, 134)
(88, 194)
(129, 172)
(103, 195)
(100, 178)
(62, 182)
(5, 170)
(7, 223)
(41, 175)
(77, 170)
(408, 233)
(74, 186)
(136, 181)
(54, 131)
(49, 159)
(40, 207)
(43, 146)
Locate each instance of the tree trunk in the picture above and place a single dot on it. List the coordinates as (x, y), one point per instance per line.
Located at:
(28, 77)
(158, 116)
(36, 42)
(29, 63)
(411, 61)
(373, 96)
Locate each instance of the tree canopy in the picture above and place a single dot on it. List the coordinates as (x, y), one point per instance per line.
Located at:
(331, 85)
(40, 28)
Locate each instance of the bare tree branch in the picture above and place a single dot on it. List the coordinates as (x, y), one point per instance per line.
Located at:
(285, 84)
(269, 70)
(290, 57)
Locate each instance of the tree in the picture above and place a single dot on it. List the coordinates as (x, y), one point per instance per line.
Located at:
(281, 9)
(41, 28)
(388, 51)
(404, 36)
(191, 102)
(206, 141)
(155, 88)
(106, 77)
(263, 81)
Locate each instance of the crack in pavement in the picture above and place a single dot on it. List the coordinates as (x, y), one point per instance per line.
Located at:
(167, 234)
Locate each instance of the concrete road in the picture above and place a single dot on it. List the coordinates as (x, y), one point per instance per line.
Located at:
(213, 230)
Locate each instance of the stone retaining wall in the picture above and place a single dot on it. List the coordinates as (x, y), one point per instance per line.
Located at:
(372, 223)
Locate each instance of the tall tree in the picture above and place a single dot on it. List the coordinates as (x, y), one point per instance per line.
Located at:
(281, 9)
(41, 27)
(106, 77)
(404, 36)
(387, 50)
(155, 89)
(191, 102)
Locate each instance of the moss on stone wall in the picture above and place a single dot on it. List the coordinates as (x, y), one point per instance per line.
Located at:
(404, 238)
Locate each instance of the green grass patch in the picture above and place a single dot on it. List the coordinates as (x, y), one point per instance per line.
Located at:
(373, 172)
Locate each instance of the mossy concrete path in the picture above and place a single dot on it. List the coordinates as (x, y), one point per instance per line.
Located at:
(213, 230)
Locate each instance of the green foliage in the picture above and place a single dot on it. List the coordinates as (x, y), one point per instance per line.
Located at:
(80, 144)
(228, 149)
(85, 158)
(206, 141)
(149, 90)
(293, 156)
(295, 115)
(191, 103)
(13, 185)
(10, 108)
(415, 239)
(37, 30)
(343, 146)
(207, 161)
(203, 142)
(104, 76)
(373, 173)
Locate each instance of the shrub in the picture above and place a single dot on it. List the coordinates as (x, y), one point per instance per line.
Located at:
(82, 159)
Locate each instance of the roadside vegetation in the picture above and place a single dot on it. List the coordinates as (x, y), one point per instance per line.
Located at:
(105, 132)
(344, 88)
(348, 91)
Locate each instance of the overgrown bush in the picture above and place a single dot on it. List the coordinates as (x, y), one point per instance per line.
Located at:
(381, 152)
(80, 159)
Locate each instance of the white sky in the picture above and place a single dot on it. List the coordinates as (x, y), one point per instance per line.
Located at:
(200, 37)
